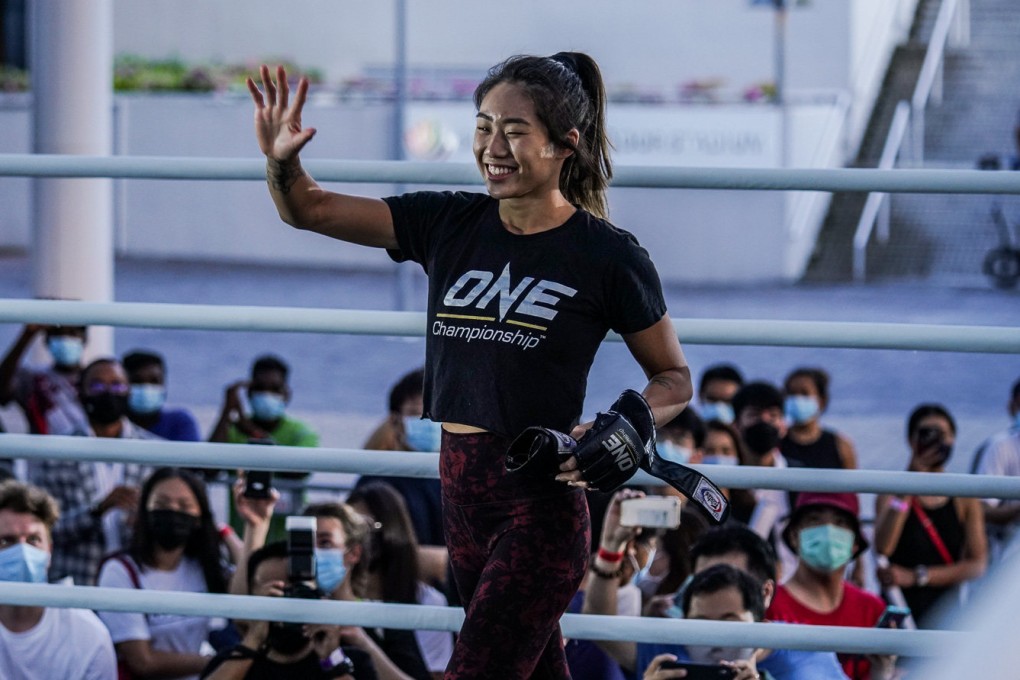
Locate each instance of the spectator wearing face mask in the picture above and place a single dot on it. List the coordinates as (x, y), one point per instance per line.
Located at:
(934, 543)
(48, 396)
(807, 443)
(175, 546)
(825, 533)
(268, 394)
(286, 651)
(39, 643)
(97, 500)
(147, 399)
(758, 408)
(404, 429)
(718, 384)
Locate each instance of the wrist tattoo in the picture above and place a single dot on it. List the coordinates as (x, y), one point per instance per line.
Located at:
(282, 175)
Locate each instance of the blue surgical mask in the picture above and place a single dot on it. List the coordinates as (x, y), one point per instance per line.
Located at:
(422, 434)
(676, 610)
(330, 569)
(717, 410)
(826, 547)
(720, 460)
(66, 349)
(146, 398)
(267, 406)
(673, 452)
(24, 563)
(800, 409)
(642, 572)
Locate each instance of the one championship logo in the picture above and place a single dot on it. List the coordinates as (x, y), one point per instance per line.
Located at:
(619, 447)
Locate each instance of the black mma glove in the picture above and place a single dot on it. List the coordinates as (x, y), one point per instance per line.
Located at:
(539, 451)
(617, 444)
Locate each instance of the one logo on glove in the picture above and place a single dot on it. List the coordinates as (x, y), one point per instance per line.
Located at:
(710, 499)
(619, 446)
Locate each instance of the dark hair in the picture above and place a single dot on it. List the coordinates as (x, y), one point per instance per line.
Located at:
(1016, 391)
(568, 93)
(93, 365)
(760, 395)
(738, 538)
(818, 376)
(687, 421)
(731, 432)
(204, 544)
(140, 358)
(63, 329)
(393, 550)
(32, 500)
(923, 411)
(270, 362)
(721, 576)
(727, 372)
(409, 386)
(274, 550)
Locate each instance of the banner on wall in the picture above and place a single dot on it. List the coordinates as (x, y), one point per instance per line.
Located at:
(689, 136)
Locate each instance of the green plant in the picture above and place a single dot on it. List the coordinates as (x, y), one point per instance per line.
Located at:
(13, 79)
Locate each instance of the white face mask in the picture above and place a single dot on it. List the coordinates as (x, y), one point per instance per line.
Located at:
(673, 452)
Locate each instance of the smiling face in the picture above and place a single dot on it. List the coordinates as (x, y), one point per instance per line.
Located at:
(512, 146)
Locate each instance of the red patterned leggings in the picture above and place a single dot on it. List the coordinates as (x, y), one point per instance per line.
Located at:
(518, 549)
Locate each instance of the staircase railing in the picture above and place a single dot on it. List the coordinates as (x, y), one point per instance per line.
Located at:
(952, 25)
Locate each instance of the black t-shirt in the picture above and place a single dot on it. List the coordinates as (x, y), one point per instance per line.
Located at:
(306, 668)
(514, 321)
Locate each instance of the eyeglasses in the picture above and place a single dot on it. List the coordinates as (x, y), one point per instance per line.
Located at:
(116, 389)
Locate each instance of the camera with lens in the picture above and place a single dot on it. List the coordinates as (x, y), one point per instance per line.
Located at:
(288, 637)
(301, 559)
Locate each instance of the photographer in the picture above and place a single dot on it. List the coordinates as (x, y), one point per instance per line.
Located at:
(934, 543)
(279, 651)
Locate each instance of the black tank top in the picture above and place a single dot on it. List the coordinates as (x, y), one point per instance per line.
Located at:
(822, 453)
(915, 548)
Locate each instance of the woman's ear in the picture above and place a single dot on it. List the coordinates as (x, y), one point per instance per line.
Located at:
(572, 139)
(353, 555)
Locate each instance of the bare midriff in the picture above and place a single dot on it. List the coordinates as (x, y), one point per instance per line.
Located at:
(457, 428)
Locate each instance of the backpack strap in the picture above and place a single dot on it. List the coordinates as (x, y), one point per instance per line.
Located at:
(129, 567)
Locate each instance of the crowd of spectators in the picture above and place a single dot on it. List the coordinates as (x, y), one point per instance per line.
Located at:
(797, 558)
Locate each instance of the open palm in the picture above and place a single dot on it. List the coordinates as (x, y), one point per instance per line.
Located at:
(277, 120)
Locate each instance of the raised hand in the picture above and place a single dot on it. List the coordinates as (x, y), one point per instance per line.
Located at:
(277, 120)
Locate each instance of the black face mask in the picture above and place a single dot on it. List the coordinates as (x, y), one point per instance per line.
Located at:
(105, 408)
(171, 529)
(761, 438)
(286, 638)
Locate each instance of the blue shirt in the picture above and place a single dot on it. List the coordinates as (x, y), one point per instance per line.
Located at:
(781, 664)
(177, 425)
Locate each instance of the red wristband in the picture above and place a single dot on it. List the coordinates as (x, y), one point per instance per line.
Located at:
(610, 556)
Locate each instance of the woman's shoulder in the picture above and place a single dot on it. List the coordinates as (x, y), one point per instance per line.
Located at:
(119, 571)
(430, 595)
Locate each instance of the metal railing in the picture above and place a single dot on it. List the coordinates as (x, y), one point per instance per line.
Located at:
(826, 334)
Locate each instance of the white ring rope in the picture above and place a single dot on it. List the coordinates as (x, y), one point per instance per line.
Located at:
(831, 334)
(415, 617)
(419, 172)
(416, 464)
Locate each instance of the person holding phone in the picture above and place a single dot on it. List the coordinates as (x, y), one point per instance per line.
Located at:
(525, 281)
(933, 543)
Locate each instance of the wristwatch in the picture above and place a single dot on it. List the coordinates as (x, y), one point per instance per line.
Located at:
(921, 577)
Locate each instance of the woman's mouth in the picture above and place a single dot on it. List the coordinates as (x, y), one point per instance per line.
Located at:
(499, 171)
